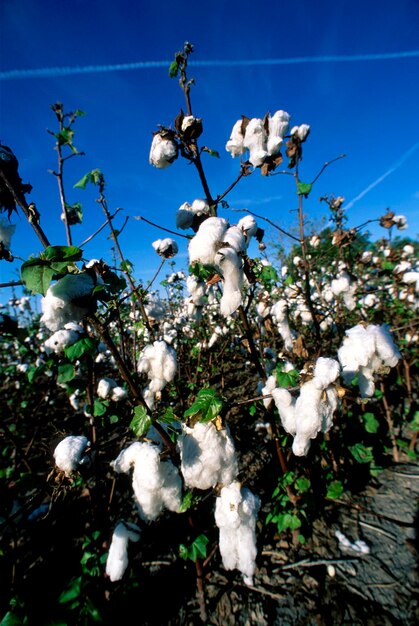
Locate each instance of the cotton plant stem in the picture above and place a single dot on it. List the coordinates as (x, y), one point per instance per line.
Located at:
(93, 235)
(387, 413)
(166, 230)
(28, 210)
(60, 180)
(103, 204)
(104, 334)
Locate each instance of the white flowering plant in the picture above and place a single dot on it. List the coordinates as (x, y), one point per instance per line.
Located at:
(223, 409)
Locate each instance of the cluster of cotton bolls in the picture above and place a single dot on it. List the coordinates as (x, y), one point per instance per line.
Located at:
(364, 351)
(222, 246)
(108, 388)
(158, 361)
(312, 411)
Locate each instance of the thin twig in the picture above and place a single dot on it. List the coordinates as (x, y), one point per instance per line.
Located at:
(341, 156)
(13, 283)
(167, 230)
(233, 184)
(111, 217)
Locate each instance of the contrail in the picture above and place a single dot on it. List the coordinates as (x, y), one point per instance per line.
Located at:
(380, 179)
(53, 72)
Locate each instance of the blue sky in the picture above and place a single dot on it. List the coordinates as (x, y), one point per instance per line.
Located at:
(365, 108)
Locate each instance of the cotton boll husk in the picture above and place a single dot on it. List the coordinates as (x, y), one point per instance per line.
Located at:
(255, 140)
(202, 247)
(68, 454)
(236, 511)
(235, 144)
(285, 404)
(207, 455)
(117, 561)
(326, 372)
(230, 265)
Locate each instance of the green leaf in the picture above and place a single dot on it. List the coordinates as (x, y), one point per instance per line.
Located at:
(82, 183)
(36, 274)
(127, 266)
(79, 113)
(99, 408)
(173, 69)
(141, 422)
(289, 281)
(371, 423)
(361, 453)
(85, 345)
(65, 136)
(388, 265)
(94, 176)
(334, 490)
(72, 591)
(62, 253)
(286, 379)
(114, 419)
(66, 373)
(33, 372)
(201, 271)
(302, 484)
(287, 520)
(197, 549)
(208, 405)
(304, 189)
(11, 619)
(168, 417)
(186, 502)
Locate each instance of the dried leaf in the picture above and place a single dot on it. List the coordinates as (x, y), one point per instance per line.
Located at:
(299, 348)
(245, 122)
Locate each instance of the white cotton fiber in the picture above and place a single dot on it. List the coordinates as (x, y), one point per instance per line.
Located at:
(255, 140)
(279, 315)
(236, 512)
(68, 454)
(117, 561)
(63, 338)
(67, 300)
(326, 372)
(159, 362)
(278, 127)
(156, 483)
(235, 144)
(208, 456)
(203, 247)
(230, 265)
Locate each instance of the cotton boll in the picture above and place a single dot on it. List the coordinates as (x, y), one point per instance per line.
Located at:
(255, 141)
(279, 315)
(249, 227)
(235, 144)
(203, 247)
(235, 238)
(159, 362)
(270, 385)
(278, 128)
(163, 151)
(326, 372)
(301, 131)
(385, 346)
(184, 216)
(308, 417)
(230, 265)
(68, 454)
(400, 222)
(408, 250)
(105, 387)
(117, 561)
(62, 338)
(236, 512)
(68, 300)
(207, 455)
(156, 484)
(285, 404)
(118, 394)
(167, 248)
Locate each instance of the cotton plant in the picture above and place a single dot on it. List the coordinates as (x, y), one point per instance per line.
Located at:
(158, 361)
(157, 484)
(70, 299)
(208, 456)
(69, 453)
(312, 411)
(117, 561)
(236, 510)
(364, 352)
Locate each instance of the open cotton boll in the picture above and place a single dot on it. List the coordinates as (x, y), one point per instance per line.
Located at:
(159, 362)
(63, 338)
(400, 222)
(166, 248)
(163, 151)
(203, 246)
(117, 561)
(197, 289)
(68, 300)
(235, 144)
(236, 512)
(326, 372)
(278, 127)
(308, 417)
(301, 131)
(68, 454)
(385, 347)
(156, 483)
(267, 390)
(105, 387)
(118, 394)
(234, 237)
(249, 227)
(155, 307)
(285, 404)
(230, 265)
(208, 456)
(279, 315)
(255, 140)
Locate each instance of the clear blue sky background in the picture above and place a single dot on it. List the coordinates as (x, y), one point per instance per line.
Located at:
(365, 108)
